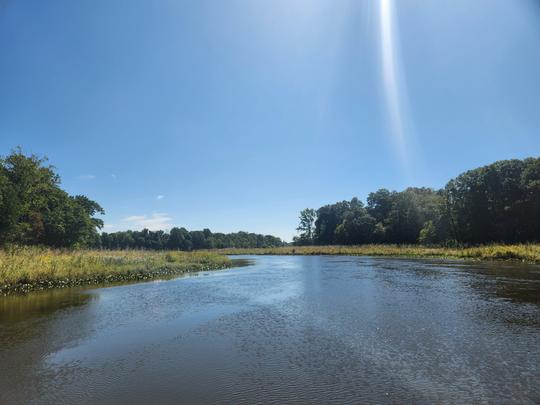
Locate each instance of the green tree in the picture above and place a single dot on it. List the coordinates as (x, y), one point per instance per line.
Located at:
(328, 219)
(306, 226)
(8, 207)
(35, 210)
(380, 203)
(428, 234)
(356, 226)
(498, 202)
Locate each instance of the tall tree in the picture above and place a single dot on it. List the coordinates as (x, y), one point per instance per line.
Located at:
(328, 218)
(35, 210)
(306, 226)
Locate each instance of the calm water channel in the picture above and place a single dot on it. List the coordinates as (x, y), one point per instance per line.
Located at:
(283, 329)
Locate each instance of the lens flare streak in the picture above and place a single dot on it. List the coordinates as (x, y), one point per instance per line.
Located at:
(390, 73)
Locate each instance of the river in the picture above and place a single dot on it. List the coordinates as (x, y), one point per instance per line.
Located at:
(324, 329)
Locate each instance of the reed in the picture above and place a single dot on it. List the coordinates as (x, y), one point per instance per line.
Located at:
(30, 268)
(529, 253)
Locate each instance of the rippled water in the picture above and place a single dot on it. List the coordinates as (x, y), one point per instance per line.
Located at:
(285, 329)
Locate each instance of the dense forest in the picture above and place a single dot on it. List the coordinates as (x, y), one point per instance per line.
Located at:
(182, 239)
(34, 210)
(495, 203)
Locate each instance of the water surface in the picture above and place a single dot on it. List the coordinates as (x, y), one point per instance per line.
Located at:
(285, 329)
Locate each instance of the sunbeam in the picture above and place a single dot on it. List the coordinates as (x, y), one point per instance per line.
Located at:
(392, 89)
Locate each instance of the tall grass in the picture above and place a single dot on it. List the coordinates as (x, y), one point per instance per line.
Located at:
(28, 268)
(529, 253)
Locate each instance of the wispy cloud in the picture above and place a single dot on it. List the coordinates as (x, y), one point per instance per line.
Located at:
(113, 176)
(160, 197)
(154, 222)
(109, 226)
(87, 177)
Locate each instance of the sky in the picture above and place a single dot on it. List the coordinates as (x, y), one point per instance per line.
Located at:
(235, 115)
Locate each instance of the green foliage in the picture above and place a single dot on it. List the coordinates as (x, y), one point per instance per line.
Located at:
(34, 210)
(428, 234)
(357, 226)
(306, 227)
(409, 212)
(182, 239)
(380, 203)
(495, 203)
(179, 239)
(328, 219)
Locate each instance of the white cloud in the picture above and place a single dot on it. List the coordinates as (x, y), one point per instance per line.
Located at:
(134, 218)
(108, 226)
(160, 197)
(156, 221)
(87, 177)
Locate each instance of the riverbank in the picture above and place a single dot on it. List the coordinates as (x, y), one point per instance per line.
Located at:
(27, 268)
(529, 253)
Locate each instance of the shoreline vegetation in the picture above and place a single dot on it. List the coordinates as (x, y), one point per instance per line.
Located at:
(25, 269)
(51, 239)
(527, 253)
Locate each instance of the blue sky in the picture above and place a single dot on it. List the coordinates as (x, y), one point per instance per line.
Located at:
(235, 115)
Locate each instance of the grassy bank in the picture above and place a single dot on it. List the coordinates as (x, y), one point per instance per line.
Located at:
(529, 253)
(25, 269)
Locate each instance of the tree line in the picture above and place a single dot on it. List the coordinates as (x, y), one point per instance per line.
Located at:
(182, 239)
(495, 203)
(499, 202)
(34, 210)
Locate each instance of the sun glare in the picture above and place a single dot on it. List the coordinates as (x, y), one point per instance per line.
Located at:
(392, 87)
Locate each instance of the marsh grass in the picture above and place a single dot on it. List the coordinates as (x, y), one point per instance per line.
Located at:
(529, 253)
(30, 268)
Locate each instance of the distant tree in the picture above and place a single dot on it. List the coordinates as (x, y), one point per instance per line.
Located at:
(428, 234)
(198, 239)
(9, 210)
(356, 228)
(380, 203)
(182, 239)
(498, 202)
(357, 225)
(179, 239)
(328, 219)
(306, 226)
(495, 203)
(529, 206)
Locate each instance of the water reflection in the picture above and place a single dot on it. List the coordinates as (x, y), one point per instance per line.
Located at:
(20, 307)
(283, 329)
